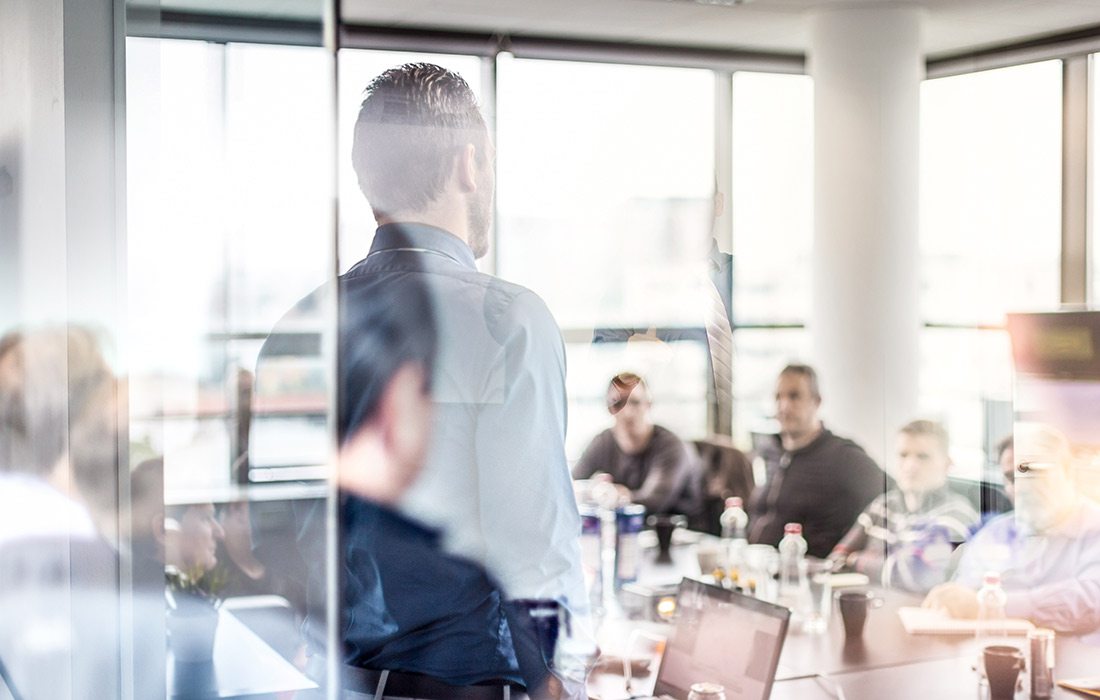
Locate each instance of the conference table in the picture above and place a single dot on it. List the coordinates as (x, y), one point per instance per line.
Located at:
(887, 662)
(243, 666)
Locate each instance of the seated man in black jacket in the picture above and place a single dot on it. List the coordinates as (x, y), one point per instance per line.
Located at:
(814, 478)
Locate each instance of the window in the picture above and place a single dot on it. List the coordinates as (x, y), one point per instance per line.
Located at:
(604, 199)
(772, 212)
(990, 237)
(229, 226)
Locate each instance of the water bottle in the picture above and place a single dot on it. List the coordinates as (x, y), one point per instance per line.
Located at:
(991, 615)
(628, 524)
(793, 587)
(592, 556)
(734, 521)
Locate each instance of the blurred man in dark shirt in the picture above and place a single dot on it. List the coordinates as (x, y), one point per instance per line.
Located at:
(652, 466)
(814, 477)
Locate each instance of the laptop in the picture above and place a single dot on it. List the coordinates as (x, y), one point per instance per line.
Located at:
(722, 636)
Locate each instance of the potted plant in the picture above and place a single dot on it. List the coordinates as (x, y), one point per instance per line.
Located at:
(192, 613)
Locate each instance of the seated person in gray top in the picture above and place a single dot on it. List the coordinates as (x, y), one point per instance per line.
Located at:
(649, 463)
(905, 538)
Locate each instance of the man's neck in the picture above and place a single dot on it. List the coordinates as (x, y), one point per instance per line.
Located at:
(632, 444)
(913, 500)
(445, 218)
(792, 442)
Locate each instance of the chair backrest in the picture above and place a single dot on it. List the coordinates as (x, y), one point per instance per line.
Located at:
(724, 471)
(987, 497)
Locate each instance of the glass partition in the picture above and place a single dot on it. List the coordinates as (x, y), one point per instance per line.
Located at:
(230, 252)
(605, 209)
(990, 235)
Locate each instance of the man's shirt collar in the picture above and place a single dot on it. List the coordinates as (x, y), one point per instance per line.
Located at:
(415, 237)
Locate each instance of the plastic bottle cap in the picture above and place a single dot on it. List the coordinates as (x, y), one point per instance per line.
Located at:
(734, 502)
(792, 529)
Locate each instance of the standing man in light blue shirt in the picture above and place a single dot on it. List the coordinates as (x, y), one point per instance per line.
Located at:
(496, 482)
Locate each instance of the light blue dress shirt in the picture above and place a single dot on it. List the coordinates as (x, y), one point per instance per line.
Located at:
(1052, 579)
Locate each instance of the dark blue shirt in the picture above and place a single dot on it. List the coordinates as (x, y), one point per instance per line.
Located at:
(410, 607)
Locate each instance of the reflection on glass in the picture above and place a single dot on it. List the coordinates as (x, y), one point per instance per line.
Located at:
(59, 532)
(608, 212)
(966, 383)
(759, 355)
(229, 225)
(606, 187)
(990, 197)
(990, 234)
(772, 196)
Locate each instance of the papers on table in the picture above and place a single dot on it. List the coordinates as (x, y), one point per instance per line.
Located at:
(927, 621)
(851, 580)
(1088, 686)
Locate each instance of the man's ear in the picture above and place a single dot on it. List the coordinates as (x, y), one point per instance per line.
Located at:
(158, 529)
(404, 417)
(466, 169)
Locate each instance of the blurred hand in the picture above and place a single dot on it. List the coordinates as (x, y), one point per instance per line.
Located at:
(958, 601)
(238, 539)
(837, 560)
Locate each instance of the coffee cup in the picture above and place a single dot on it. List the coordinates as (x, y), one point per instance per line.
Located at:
(1002, 669)
(853, 610)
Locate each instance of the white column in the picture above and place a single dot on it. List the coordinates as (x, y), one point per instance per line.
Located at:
(867, 67)
(62, 244)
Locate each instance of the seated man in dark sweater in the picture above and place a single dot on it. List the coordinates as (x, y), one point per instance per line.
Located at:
(814, 477)
(649, 463)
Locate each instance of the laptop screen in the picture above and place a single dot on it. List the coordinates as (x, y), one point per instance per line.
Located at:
(723, 637)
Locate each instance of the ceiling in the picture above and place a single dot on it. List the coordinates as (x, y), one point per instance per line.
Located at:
(951, 26)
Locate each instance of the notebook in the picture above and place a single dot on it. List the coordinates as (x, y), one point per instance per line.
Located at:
(723, 637)
(1088, 686)
(928, 621)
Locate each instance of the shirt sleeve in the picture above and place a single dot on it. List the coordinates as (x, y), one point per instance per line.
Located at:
(922, 557)
(590, 461)
(856, 539)
(870, 482)
(665, 474)
(870, 554)
(1072, 605)
(958, 521)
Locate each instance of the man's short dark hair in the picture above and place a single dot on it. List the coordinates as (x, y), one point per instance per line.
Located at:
(804, 371)
(412, 123)
(1003, 445)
